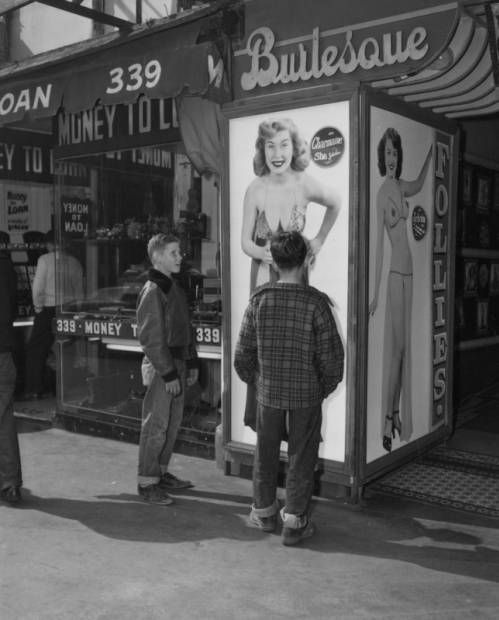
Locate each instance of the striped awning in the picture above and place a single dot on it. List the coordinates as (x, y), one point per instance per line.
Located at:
(157, 62)
(463, 81)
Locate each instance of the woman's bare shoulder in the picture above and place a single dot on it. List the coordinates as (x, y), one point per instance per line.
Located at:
(386, 191)
(255, 186)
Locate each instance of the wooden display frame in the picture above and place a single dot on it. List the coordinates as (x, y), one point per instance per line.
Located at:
(238, 454)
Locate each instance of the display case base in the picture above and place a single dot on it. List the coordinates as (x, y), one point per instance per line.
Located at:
(188, 442)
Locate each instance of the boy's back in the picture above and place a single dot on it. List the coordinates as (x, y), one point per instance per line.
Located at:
(290, 336)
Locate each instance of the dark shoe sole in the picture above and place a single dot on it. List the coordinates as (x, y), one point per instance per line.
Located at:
(11, 495)
(167, 501)
(292, 537)
(171, 489)
(158, 500)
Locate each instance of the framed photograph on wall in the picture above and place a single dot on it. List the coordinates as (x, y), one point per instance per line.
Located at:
(483, 279)
(484, 233)
(483, 192)
(495, 192)
(482, 316)
(494, 280)
(470, 288)
(460, 317)
(467, 184)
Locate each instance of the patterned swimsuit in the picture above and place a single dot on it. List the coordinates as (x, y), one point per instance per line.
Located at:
(260, 272)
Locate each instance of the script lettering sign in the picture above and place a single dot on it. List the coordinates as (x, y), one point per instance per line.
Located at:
(367, 51)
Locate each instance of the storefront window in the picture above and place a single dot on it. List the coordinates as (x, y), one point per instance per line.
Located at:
(107, 208)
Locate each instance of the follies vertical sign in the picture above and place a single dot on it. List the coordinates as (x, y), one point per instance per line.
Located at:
(441, 277)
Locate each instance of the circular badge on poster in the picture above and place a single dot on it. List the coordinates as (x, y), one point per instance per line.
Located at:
(419, 223)
(327, 147)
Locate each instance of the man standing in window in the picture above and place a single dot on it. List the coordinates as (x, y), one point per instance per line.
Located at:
(55, 269)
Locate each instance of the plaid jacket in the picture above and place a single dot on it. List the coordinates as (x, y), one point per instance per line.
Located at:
(289, 346)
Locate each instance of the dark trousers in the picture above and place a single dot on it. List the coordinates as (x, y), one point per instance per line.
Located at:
(304, 429)
(10, 461)
(37, 351)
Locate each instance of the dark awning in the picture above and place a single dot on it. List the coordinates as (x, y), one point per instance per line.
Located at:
(156, 62)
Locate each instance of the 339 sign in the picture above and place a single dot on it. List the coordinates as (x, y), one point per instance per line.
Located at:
(134, 77)
(208, 334)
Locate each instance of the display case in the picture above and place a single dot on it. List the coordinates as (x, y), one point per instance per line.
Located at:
(106, 224)
(477, 269)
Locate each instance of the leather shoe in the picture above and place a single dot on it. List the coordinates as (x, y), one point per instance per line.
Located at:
(11, 495)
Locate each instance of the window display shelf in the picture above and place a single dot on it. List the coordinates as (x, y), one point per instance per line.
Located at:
(478, 253)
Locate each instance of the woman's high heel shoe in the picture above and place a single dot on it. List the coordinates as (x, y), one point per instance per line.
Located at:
(387, 439)
(397, 424)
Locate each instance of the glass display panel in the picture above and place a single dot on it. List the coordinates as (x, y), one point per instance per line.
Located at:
(107, 208)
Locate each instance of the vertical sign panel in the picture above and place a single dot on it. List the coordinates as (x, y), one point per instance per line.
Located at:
(441, 277)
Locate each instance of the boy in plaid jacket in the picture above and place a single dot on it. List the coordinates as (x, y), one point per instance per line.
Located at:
(289, 347)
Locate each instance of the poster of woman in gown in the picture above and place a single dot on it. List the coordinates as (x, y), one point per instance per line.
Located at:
(289, 170)
(400, 281)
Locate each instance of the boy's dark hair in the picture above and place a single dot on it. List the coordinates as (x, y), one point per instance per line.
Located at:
(159, 241)
(288, 249)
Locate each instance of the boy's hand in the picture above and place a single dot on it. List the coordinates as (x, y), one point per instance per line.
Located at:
(173, 387)
(192, 377)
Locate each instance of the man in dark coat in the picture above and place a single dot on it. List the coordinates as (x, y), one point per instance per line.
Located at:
(10, 461)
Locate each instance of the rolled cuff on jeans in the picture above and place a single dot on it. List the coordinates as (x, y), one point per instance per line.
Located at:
(294, 522)
(269, 511)
(145, 481)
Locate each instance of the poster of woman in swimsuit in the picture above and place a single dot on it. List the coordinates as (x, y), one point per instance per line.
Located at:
(400, 282)
(289, 169)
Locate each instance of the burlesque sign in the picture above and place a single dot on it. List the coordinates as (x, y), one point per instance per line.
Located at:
(268, 66)
(369, 50)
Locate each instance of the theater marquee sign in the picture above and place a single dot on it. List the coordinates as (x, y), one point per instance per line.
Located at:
(369, 50)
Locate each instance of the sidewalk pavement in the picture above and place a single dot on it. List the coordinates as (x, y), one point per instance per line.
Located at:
(84, 546)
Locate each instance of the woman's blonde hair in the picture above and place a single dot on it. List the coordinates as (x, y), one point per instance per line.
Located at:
(267, 129)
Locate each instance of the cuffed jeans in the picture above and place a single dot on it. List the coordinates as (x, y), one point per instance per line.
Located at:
(10, 461)
(303, 446)
(161, 418)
